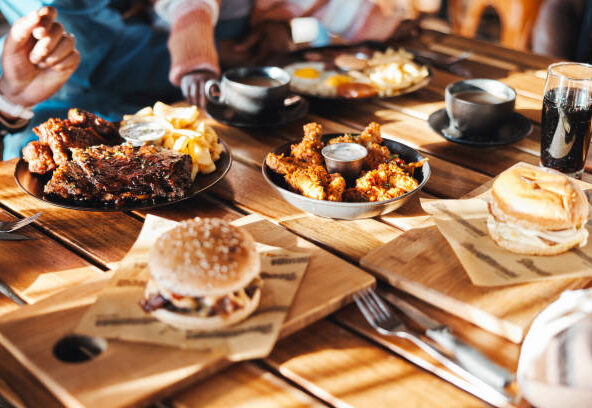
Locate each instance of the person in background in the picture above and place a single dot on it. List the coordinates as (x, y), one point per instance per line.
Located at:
(124, 61)
(247, 32)
(37, 59)
(134, 52)
(558, 28)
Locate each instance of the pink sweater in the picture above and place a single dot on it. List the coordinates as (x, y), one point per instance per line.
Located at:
(191, 41)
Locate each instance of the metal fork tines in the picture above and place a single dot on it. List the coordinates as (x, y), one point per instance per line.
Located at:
(10, 226)
(382, 318)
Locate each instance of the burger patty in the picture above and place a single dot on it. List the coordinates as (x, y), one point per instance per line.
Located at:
(222, 306)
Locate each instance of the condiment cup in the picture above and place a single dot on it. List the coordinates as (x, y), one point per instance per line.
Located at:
(473, 117)
(144, 130)
(349, 168)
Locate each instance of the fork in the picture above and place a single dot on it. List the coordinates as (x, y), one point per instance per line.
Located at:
(382, 318)
(10, 226)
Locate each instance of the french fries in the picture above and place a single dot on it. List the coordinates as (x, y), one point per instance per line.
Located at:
(392, 71)
(188, 134)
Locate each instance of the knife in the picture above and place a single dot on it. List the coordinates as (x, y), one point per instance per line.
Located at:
(467, 356)
(9, 236)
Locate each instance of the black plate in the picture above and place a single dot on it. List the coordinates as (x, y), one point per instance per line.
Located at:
(364, 47)
(230, 117)
(33, 185)
(343, 210)
(514, 130)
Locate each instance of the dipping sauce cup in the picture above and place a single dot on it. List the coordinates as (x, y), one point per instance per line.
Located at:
(344, 158)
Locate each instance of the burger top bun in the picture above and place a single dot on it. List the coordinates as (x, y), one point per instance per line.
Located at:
(539, 199)
(204, 257)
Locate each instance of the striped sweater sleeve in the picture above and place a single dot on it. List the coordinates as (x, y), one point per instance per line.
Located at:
(354, 20)
(191, 40)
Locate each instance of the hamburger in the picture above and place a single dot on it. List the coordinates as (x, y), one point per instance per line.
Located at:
(204, 276)
(536, 211)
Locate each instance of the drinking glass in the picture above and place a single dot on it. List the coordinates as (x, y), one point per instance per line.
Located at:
(567, 110)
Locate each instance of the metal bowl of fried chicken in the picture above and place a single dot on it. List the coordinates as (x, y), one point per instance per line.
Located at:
(392, 174)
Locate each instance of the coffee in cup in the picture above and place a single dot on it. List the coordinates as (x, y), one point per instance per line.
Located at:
(479, 105)
(251, 91)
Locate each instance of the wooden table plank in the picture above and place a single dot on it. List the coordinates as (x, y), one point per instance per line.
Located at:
(90, 233)
(480, 47)
(40, 267)
(347, 371)
(244, 385)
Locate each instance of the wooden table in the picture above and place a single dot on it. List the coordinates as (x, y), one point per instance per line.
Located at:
(336, 361)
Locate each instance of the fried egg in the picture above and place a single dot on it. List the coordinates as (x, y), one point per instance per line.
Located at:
(305, 76)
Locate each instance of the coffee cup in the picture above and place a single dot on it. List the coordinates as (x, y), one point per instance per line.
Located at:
(251, 91)
(479, 105)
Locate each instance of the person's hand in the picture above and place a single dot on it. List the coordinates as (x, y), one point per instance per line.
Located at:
(38, 58)
(266, 39)
(192, 86)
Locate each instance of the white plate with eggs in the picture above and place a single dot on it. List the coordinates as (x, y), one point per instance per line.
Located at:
(383, 74)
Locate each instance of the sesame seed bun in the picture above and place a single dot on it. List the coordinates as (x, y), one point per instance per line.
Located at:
(204, 257)
(538, 198)
(188, 321)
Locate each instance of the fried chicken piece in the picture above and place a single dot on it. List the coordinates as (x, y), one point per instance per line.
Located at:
(371, 134)
(61, 135)
(309, 149)
(385, 182)
(377, 154)
(308, 179)
(84, 119)
(336, 187)
(39, 157)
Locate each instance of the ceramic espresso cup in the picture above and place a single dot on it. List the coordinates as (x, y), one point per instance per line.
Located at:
(251, 91)
(479, 105)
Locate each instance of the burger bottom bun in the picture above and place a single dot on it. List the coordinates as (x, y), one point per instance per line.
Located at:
(188, 321)
(528, 249)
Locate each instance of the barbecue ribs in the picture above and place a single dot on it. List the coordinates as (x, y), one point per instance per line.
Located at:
(81, 129)
(116, 175)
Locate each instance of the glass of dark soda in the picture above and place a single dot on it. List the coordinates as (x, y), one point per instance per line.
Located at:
(567, 110)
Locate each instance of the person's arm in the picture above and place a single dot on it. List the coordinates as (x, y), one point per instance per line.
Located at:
(37, 59)
(191, 44)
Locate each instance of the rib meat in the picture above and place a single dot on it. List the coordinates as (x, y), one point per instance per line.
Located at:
(121, 174)
(39, 157)
(85, 119)
(81, 129)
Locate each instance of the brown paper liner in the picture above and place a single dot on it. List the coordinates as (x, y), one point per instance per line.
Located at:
(117, 315)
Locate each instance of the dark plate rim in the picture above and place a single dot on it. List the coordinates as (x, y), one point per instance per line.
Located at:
(223, 171)
(300, 111)
(469, 142)
(427, 173)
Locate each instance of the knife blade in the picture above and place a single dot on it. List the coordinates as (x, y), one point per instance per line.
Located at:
(9, 236)
(469, 357)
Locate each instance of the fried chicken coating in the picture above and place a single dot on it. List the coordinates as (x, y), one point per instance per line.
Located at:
(310, 180)
(336, 187)
(387, 181)
(309, 149)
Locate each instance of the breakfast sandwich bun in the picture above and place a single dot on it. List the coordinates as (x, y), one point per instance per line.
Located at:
(194, 322)
(186, 260)
(203, 258)
(526, 249)
(537, 199)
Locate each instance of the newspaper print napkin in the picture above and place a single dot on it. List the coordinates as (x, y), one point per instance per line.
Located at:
(117, 314)
(464, 225)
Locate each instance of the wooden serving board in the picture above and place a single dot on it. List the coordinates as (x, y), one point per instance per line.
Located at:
(422, 263)
(127, 373)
